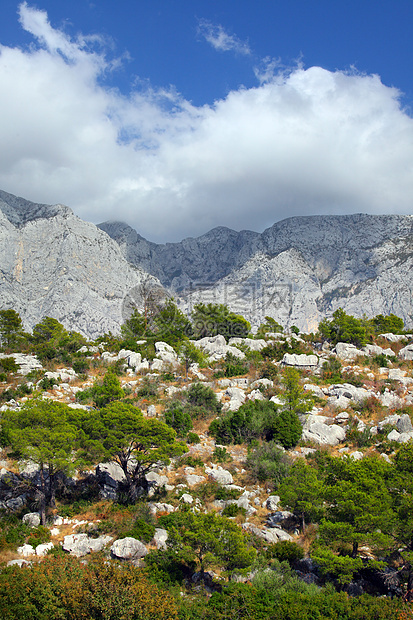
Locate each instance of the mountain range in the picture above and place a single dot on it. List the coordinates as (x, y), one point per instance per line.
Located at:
(299, 270)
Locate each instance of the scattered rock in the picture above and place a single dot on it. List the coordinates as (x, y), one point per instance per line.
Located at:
(128, 549)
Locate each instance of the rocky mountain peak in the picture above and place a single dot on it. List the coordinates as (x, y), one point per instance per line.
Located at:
(19, 211)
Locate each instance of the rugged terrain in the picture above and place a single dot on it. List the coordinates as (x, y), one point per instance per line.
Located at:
(297, 271)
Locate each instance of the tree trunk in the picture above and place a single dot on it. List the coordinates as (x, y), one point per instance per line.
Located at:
(42, 497)
(409, 593)
(355, 549)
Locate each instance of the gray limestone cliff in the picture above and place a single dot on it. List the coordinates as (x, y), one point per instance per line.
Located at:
(54, 264)
(297, 271)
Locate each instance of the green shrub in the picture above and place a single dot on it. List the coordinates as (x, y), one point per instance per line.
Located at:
(285, 550)
(81, 365)
(233, 510)
(192, 438)
(178, 418)
(38, 536)
(268, 463)
(8, 364)
(200, 395)
(220, 455)
(141, 530)
(287, 429)
(226, 494)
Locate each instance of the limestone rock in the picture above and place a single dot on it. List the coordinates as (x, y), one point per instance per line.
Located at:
(32, 519)
(128, 549)
(324, 434)
(220, 475)
(300, 361)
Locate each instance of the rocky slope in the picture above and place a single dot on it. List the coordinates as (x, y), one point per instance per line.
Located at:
(54, 264)
(297, 271)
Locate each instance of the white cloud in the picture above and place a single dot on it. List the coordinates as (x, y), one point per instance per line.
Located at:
(220, 40)
(301, 142)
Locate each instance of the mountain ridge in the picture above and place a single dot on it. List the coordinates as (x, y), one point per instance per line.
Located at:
(297, 271)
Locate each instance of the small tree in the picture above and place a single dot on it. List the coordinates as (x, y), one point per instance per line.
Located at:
(108, 391)
(11, 328)
(120, 433)
(295, 398)
(45, 432)
(213, 319)
(208, 539)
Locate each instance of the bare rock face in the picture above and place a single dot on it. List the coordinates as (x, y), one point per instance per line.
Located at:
(54, 264)
(297, 271)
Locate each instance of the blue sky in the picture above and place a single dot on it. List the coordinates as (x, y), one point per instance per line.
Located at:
(178, 116)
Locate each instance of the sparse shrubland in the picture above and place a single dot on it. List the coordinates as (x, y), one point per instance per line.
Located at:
(217, 481)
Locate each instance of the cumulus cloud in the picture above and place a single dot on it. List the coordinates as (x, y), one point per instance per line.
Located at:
(220, 40)
(304, 141)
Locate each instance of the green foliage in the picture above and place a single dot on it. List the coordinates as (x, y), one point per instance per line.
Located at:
(276, 350)
(38, 536)
(345, 328)
(107, 391)
(388, 324)
(11, 329)
(178, 418)
(270, 326)
(332, 370)
(52, 341)
(213, 319)
(46, 432)
(233, 510)
(225, 494)
(190, 354)
(220, 455)
(141, 530)
(66, 588)
(192, 438)
(255, 418)
(207, 540)
(302, 492)
(8, 364)
(287, 429)
(12, 531)
(148, 389)
(119, 433)
(296, 399)
(199, 395)
(233, 366)
(191, 461)
(268, 463)
(171, 325)
(286, 551)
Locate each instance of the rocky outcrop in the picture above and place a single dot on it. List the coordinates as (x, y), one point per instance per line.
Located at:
(54, 264)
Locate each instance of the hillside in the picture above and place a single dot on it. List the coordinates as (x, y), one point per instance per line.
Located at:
(250, 426)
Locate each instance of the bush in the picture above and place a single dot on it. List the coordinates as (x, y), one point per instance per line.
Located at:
(268, 463)
(233, 510)
(220, 455)
(38, 536)
(141, 530)
(64, 588)
(287, 429)
(7, 364)
(178, 418)
(285, 550)
(192, 438)
(200, 395)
